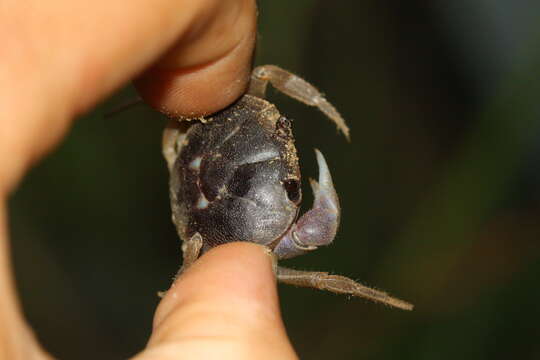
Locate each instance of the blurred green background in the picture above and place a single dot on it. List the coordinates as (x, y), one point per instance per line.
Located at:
(440, 191)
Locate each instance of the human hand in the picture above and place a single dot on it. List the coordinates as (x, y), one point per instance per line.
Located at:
(58, 60)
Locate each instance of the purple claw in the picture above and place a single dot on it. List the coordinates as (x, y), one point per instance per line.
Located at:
(319, 225)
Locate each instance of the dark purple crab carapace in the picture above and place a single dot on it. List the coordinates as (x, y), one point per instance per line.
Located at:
(234, 176)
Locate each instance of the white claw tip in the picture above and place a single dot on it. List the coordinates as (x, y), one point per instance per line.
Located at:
(325, 179)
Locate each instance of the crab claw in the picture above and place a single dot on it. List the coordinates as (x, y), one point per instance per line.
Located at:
(319, 225)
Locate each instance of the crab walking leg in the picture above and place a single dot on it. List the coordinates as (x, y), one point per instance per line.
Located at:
(172, 135)
(337, 284)
(295, 87)
(190, 251)
(319, 225)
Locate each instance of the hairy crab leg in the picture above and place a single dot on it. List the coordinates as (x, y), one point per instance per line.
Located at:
(295, 87)
(338, 284)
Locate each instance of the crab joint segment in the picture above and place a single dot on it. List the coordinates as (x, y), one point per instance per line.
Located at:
(295, 87)
(319, 225)
(338, 284)
(173, 135)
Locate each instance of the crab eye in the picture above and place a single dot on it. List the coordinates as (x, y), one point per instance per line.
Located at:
(292, 186)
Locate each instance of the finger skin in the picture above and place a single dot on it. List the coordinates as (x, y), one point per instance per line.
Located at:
(185, 81)
(225, 306)
(59, 58)
(16, 338)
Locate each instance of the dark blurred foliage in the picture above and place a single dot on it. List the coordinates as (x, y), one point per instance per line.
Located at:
(439, 187)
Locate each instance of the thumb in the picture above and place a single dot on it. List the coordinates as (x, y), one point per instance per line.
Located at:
(225, 306)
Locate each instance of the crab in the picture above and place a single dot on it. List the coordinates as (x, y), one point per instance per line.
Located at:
(234, 176)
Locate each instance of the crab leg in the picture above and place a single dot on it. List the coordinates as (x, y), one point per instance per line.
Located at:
(338, 284)
(191, 250)
(173, 135)
(295, 87)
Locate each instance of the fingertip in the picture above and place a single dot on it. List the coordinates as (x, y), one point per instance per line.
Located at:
(227, 273)
(226, 302)
(207, 71)
(229, 295)
(199, 90)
